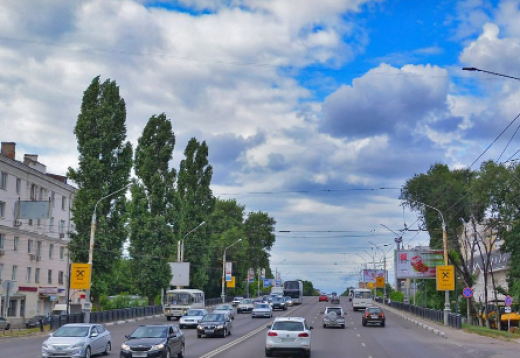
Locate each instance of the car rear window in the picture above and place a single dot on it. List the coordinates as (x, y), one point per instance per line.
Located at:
(288, 326)
(374, 310)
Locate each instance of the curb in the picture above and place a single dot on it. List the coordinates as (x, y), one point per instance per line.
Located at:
(116, 323)
(420, 324)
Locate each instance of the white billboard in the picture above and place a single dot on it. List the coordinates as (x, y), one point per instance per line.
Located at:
(371, 275)
(418, 263)
(180, 273)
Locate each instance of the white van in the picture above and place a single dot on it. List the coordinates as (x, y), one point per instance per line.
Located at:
(362, 298)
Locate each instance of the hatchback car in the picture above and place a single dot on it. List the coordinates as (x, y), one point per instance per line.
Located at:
(78, 340)
(373, 315)
(154, 341)
(215, 325)
(192, 317)
(334, 317)
(288, 334)
(4, 323)
(225, 309)
(262, 310)
(288, 301)
(35, 321)
(323, 298)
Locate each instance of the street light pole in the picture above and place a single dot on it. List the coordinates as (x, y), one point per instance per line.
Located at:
(490, 72)
(223, 293)
(180, 244)
(447, 309)
(87, 307)
(384, 263)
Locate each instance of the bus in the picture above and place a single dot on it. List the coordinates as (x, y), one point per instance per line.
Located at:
(294, 289)
(362, 298)
(178, 301)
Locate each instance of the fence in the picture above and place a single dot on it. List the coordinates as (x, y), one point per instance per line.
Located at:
(454, 320)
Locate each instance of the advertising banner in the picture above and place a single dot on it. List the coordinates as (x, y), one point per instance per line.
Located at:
(372, 275)
(418, 264)
(263, 274)
(180, 273)
(229, 270)
(80, 276)
(251, 275)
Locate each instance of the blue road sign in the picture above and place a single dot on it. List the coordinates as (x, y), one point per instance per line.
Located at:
(467, 292)
(508, 301)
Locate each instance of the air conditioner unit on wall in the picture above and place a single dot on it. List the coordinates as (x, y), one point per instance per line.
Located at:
(38, 258)
(62, 235)
(17, 223)
(32, 256)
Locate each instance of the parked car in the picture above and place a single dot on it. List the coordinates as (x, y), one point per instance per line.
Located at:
(154, 340)
(288, 334)
(262, 310)
(245, 306)
(278, 303)
(288, 301)
(4, 323)
(373, 315)
(35, 321)
(225, 309)
(215, 325)
(334, 317)
(237, 300)
(192, 317)
(323, 298)
(78, 340)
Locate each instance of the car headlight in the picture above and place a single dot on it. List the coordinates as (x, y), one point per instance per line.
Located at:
(125, 347)
(158, 347)
(77, 345)
(220, 326)
(199, 327)
(44, 345)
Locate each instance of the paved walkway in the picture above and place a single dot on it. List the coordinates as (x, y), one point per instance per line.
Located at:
(501, 348)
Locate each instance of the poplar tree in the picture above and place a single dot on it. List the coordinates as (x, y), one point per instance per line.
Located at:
(105, 161)
(196, 203)
(151, 239)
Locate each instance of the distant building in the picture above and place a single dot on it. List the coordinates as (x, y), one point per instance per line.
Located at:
(33, 251)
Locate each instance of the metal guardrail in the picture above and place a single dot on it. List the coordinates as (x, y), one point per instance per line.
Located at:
(454, 320)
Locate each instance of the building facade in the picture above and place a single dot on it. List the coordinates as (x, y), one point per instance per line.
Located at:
(33, 251)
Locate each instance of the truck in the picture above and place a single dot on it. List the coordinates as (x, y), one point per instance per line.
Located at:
(277, 291)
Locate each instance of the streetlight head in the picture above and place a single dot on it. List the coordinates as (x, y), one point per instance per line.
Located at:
(202, 223)
(469, 69)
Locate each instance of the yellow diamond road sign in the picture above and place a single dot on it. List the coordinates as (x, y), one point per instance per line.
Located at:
(380, 282)
(445, 278)
(80, 276)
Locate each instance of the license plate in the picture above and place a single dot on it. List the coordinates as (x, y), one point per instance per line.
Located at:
(375, 317)
(287, 339)
(139, 354)
(208, 331)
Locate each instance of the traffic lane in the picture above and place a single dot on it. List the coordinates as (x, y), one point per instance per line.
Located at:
(403, 339)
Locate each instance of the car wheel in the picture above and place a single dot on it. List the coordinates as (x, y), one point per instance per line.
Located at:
(343, 327)
(198, 336)
(268, 353)
(364, 324)
(87, 352)
(229, 333)
(182, 353)
(224, 334)
(168, 318)
(168, 353)
(8, 327)
(383, 324)
(308, 354)
(108, 349)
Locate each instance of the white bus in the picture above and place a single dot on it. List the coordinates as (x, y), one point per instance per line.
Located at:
(178, 301)
(362, 298)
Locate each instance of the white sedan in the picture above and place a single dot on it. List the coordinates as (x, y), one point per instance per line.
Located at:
(192, 318)
(262, 310)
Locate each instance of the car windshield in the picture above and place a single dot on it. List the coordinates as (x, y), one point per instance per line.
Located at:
(246, 301)
(362, 294)
(287, 326)
(262, 305)
(194, 313)
(238, 298)
(213, 318)
(72, 331)
(149, 332)
(277, 299)
(223, 307)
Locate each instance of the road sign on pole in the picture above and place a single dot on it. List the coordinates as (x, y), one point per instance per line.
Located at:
(445, 278)
(508, 301)
(467, 292)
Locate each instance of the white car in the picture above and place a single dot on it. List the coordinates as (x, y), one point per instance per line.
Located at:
(192, 318)
(237, 300)
(262, 310)
(334, 317)
(246, 305)
(78, 340)
(288, 334)
(225, 309)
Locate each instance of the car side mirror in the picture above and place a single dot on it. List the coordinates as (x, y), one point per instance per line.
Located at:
(94, 334)
(127, 336)
(50, 334)
(311, 327)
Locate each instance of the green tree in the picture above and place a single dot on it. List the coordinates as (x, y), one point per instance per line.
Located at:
(105, 161)
(151, 240)
(259, 228)
(195, 203)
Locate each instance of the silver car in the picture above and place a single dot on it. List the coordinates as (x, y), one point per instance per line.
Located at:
(78, 340)
(4, 323)
(262, 310)
(225, 309)
(192, 318)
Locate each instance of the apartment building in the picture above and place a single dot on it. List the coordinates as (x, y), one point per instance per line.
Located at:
(33, 251)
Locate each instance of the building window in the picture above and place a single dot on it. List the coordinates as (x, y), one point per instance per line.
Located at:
(62, 252)
(2, 209)
(51, 224)
(63, 202)
(60, 277)
(53, 198)
(1, 267)
(16, 241)
(2, 241)
(51, 251)
(42, 191)
(13, 274)
(11, 311)
(18, 186)
(30, 222)
(3, 180)
(22, 308)
(39, 248)
(37, 275)
(28, 277)
(49, 276)
(61, 227)
(38, 222)
(33, 192)
(30, 246)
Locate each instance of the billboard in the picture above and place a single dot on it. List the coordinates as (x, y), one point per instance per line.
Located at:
(370, 275)
(418, 263)
(180, 273)
(229, 270)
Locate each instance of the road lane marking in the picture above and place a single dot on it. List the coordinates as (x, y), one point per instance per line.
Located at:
(363, 344)
(358, 335)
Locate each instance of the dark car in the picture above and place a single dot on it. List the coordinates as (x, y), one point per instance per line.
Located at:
(278, 303)
(35, 321)
(373, 315)
(154, 341)
(215, 324)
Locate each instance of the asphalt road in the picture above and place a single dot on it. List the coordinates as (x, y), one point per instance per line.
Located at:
(399, 339)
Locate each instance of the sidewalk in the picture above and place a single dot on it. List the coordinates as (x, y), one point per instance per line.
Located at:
(499, 347)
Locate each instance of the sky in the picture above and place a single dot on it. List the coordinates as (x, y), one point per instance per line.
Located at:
(315, 111)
